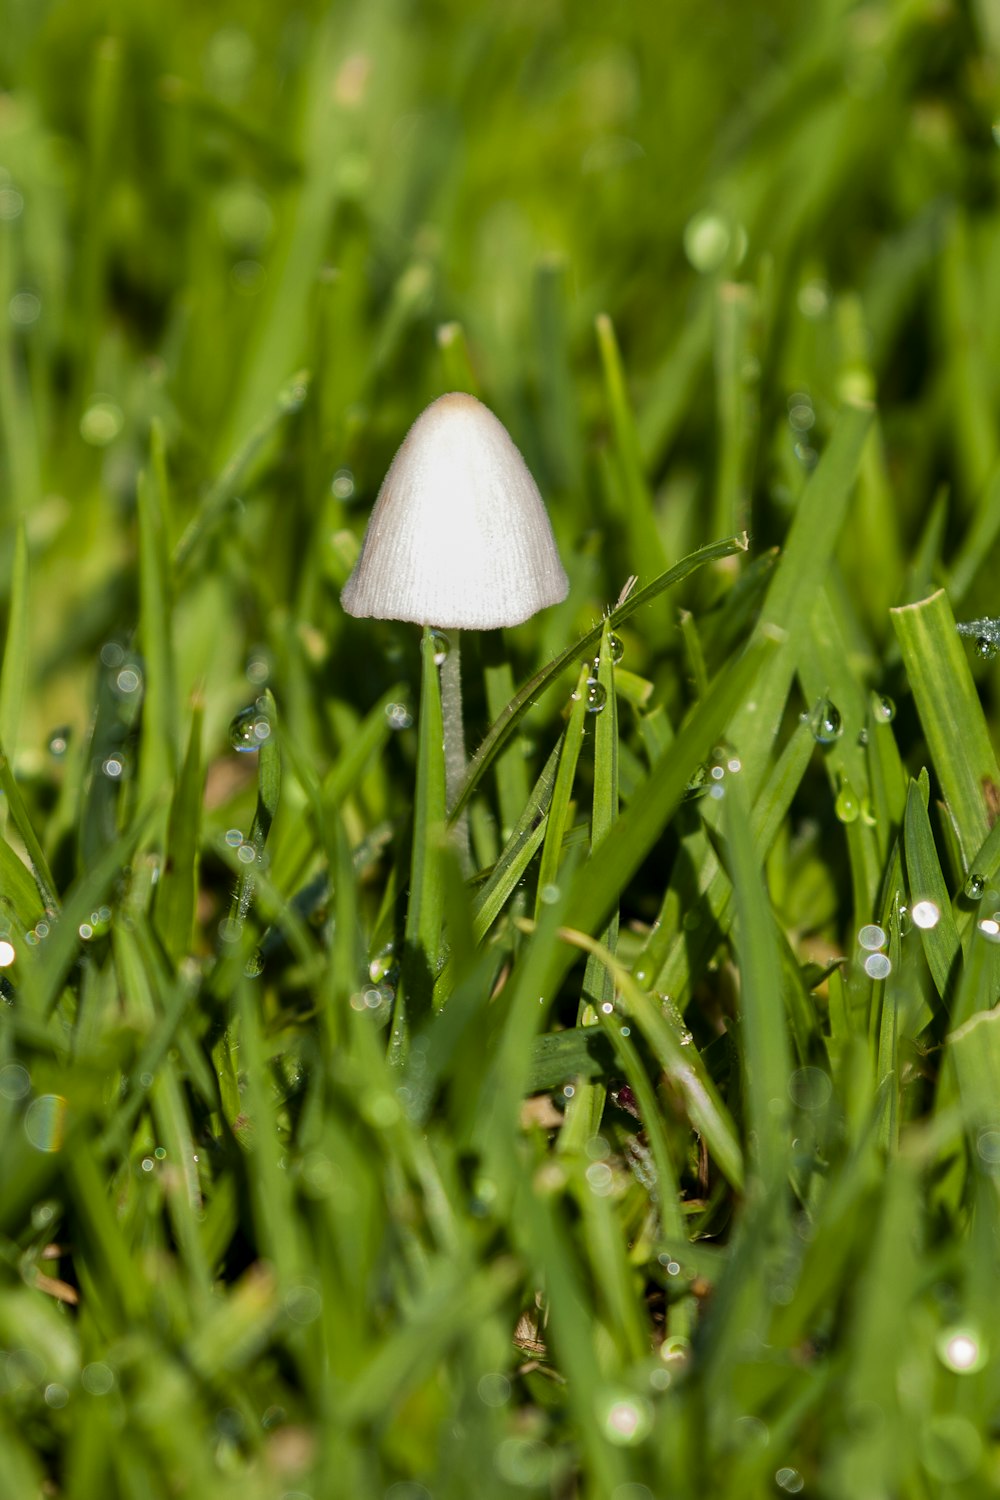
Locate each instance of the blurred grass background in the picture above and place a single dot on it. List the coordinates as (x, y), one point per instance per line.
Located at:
(745, 1244)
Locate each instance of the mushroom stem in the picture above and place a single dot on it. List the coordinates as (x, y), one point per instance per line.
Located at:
(454, 742)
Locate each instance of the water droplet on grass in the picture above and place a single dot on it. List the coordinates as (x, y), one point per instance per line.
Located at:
(59, 742)
(801, 415)
(258, 668)
(342, 484)
(24, 309)
(925, 914)
(961, 1349)
(249, 728)
(15, 1082)
(97, 1378)
(627, 1419)
(974, 887)
(847, 807)
(398, 716)
(825, 722)
(617, 647)
(101, 422)
(872, 936)
(442, 645)
(878, 966)
(127, 680)
(986, 649)
(45, 1122)
(596, 696)
(494, 1389)
(884, 709)
(292, 395)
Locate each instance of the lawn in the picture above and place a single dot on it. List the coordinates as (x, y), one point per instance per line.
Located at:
(619, 1117)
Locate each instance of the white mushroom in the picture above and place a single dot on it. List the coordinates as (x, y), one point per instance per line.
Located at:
(459, 536)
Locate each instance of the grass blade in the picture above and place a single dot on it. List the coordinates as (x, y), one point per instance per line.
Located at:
(14, 671)
(158, 749)
(799, 575)
(952, 718)
(19, 816)
(927, 884)
(765, 1051)
(599, 884)
(507, 722)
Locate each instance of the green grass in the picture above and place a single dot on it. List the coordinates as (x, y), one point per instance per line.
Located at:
(631, 1165)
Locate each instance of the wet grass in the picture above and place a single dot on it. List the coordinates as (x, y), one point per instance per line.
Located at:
(659, 1157)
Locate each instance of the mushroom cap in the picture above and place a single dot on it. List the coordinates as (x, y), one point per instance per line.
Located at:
(459, 536)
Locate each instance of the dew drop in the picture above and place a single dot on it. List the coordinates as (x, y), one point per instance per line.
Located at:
(596, 696)
(383, 967)
(707, 238)
(127, 680)
(249, 728)
(617, 647)
(925, 914)
(813, 299)
(258, 668)
(904, 920)
(962, 1350)
(871, 937)
(884, 709)
(974, 887)
(862, 738)
(292, 395)
(59, 742)
(45, 1122)
(101, 422)
(442, 645)
(801, 414)
(627, 1419)
(254, 965)
(398, 716)
(825, 722)
(847, 807)
(342, 484)
(878, 966)
(494, 1390)
(985, 648)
